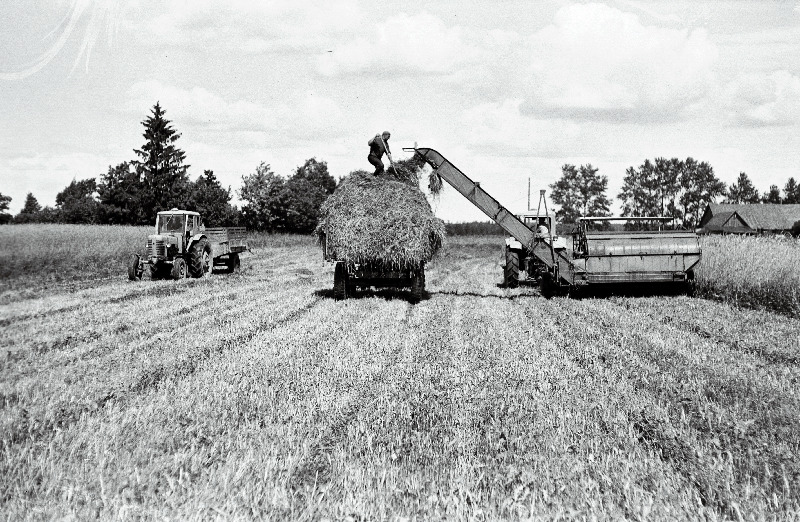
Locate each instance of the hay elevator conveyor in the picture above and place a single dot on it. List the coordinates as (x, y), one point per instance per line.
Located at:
(597, 257)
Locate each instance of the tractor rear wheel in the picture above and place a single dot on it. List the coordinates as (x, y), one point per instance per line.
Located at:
(178, 268)
(340, 281)
(133, 268)
(200, 258)
(511, 270)
(417, 285)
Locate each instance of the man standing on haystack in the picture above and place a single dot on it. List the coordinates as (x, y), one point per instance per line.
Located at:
(377, 146)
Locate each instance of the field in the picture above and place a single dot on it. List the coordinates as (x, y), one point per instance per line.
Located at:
(256, 395)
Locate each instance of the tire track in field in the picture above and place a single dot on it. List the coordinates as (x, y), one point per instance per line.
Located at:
(31, 428)
(38, 315)
(315, 469)
(718, 427)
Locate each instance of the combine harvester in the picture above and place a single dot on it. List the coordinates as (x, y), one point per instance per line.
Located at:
(598, 259)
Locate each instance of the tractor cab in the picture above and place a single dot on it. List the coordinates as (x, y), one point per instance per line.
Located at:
(174, 228)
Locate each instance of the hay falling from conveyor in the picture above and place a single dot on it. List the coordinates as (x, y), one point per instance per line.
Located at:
(380, 219)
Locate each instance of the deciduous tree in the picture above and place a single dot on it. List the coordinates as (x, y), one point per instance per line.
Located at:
(305, 192)
(264, 199)
(791, 192)
(580, 192)
(743, 191)
(700, 187)
(120, 193)
(5, 201)
(213, 201)
(773, 195)
(76, 203)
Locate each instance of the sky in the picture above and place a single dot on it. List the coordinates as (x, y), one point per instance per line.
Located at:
(507, 90)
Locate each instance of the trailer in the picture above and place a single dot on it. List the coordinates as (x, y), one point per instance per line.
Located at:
(598, 258)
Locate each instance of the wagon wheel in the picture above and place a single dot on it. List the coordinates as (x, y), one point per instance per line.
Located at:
(340, 281)
(417, 285)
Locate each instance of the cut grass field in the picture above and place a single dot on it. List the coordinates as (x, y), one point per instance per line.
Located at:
(256, 395)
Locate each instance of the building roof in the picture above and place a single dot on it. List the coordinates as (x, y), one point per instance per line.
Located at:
(755, 216)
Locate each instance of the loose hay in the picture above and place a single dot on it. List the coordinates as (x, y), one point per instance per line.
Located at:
(380, 219)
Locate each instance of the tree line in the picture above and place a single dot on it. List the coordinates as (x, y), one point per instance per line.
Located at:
(133, 192)
(662, 187)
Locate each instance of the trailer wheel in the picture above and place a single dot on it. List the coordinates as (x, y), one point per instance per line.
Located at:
(340, 281)
(511, 270)
(178, 268)
(133, 268)
(417, 285)
(233, 263)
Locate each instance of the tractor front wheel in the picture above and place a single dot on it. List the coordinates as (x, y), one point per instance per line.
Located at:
(178, 268)
(134, 272)
(340, 281)
(548, 287)
(200, 258)
(511, 270)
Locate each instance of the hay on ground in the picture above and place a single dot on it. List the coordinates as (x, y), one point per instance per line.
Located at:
(380, 219)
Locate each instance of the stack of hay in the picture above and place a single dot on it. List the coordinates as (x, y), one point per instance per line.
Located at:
(380, 219)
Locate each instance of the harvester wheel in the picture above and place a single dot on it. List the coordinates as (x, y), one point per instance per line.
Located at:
(417, 285)
(233, 263)
(200, 258)
(511, 271)
(340, 281)
(690, 284)
(178, 268)
(548, 286)
(134, 272)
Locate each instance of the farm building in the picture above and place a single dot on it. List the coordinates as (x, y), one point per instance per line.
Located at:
(749, 219)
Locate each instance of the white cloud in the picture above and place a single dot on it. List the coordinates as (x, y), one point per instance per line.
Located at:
(758, 100)
(307, 115)
(252, 27)
(500, 129)
(401, 45)
(599, 62)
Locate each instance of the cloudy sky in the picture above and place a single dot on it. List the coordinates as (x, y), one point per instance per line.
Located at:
(507, 90)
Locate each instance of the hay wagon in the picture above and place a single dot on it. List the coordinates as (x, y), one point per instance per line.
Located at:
(349, 277)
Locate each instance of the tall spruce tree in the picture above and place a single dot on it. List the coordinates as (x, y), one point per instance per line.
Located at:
(165, 182)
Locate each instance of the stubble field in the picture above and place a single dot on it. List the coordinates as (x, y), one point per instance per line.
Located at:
(256, 395)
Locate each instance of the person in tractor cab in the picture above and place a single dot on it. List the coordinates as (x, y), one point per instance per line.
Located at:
(541, 229)
(377, 146)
